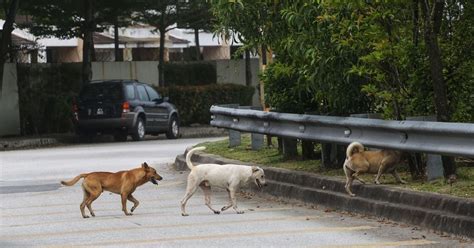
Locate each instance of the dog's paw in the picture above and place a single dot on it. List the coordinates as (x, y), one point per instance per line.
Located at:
(377, 182)
(403, 182)
(85, 216)
(352, 195)
(184, 214)
(217, 212)
(240, 212)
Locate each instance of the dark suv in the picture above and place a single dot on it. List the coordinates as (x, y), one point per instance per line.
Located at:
(123, 107)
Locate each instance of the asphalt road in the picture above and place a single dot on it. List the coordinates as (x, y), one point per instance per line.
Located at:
(36, 211)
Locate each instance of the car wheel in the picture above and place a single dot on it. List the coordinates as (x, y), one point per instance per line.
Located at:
(139, 130)
(173, 129)
(120, 136)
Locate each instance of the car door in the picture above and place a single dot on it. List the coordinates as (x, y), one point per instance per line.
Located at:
(148, 106)
(160, 109)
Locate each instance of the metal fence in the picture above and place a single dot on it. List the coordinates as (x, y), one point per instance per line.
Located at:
(454, 139)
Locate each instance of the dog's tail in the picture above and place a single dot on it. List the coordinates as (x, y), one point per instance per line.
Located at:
(74, 180)
(354, 147)
(190, 154)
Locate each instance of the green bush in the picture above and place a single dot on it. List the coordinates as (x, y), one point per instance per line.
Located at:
(281, 92)
(190, 73)
(46, 92)
(194, 102)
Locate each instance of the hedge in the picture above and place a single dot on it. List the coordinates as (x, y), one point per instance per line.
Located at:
(45, 94)
(194, 102)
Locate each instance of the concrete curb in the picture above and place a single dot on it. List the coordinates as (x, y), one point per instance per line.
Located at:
(433, 211)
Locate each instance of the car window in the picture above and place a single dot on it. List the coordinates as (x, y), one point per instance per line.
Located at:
(129, 91)
(152, 93)
(142, 93)
(101, 91)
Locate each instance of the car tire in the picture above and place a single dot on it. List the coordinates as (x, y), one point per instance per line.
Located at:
(120, 136)
(139, 130)
(173, 128)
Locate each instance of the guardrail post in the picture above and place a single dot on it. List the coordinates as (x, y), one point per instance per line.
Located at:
(234, 136)
(256, 138)
(289, 148)
(307, 148)
(434, 163)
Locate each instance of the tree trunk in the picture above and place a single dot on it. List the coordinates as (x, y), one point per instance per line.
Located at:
(416, 18)
(432, 23)
(118, 55)
(161, 63)
(87, 46)
(198, 47)
(7, 37)
(248, 70)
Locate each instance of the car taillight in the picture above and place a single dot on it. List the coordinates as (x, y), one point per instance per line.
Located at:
(75, 111)
(125, 107)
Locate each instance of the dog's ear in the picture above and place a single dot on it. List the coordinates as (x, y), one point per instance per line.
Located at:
(145, 165)
(255, 169)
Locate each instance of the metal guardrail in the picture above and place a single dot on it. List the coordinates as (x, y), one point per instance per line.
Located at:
(455, 139)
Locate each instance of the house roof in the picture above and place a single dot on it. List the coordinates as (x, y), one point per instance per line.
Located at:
(21, 41)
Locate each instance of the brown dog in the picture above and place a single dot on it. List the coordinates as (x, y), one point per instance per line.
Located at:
(123, 183)
(359, 161)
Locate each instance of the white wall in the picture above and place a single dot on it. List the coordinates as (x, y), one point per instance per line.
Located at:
(144, 71)
(9, 106)
(233, 71)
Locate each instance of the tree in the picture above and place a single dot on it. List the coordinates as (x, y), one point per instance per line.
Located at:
(195, 15)
(118, 13)
(66, 19)
(162, 15)
(10, 9)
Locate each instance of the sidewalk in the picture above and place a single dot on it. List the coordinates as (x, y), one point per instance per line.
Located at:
(27, 142)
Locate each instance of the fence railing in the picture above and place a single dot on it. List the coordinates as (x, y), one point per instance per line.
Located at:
(455, 139)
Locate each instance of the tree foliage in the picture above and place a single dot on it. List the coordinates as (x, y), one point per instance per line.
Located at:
(360, 56)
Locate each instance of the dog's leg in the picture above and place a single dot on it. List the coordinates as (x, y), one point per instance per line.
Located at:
(224, 208)
(93, 196)
(135, 202)
(233, 202)
(83, 204)
(349, 179)
(356, 176)
(190, 190)
(398, 178)
(124, 196)
(382, 168)
(207, 197)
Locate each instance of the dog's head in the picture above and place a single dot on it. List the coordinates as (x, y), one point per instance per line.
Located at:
(258, 177)
(150, 173)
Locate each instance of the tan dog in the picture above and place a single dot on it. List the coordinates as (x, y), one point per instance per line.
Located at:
(359, 161)
(123, 183)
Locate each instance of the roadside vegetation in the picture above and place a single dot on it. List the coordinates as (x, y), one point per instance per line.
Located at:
(269, 156)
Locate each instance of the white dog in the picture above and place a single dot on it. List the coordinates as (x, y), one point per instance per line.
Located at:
(228, 176)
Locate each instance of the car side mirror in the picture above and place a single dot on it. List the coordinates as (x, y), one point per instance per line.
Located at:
(158, 100)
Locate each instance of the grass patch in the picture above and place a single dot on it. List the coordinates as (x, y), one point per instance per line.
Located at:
(464, 187)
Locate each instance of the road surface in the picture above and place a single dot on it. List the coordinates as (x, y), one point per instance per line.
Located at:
(35, 210)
